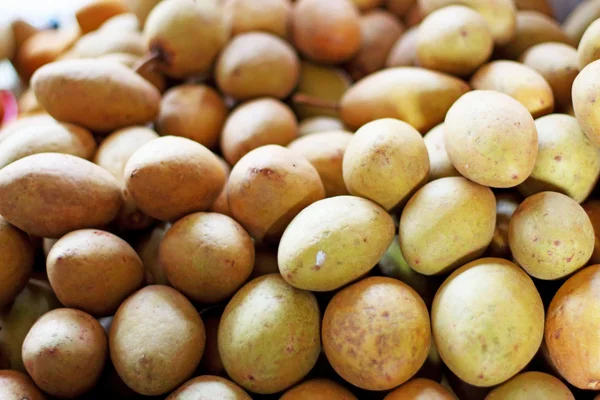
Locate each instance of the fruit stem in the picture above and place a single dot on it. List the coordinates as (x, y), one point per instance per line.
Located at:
(304, 99)
(148, 61)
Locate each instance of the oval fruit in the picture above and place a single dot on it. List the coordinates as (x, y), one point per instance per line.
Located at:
(592, 209)
(16, 261)
(318, 389)
(440, 165)
(273, 16)
(17, 385)
(532, 384)
(209, 387)
(421, 388)
(586, 89)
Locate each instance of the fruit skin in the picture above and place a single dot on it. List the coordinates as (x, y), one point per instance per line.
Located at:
(171, 176)
(318, 389)
(96, 94)
(209, 387)
(571, 329)
(317, 124)
(585, 90)
(91, 16)
(7, 42)
(420, 388)
(386, 161)
(196, 112)
(592, 209)
(400, 93)
(94, 271)
(104, 42)
(326, 32)
(404, 52)
(141, 8)
(147, 247)
(257, 64)
(58, 193)
(566, 162)
(156, 340)
(550, 235)
(269, 335)
(207, 256)
(529, 385)
(481, 129)
(588, 50)
(16, 261)
(440, 165)
(580, 18)
(65, 352)
(268, 187)
(376, 333)
(16, 385)
(333, 242)
(273, 16)
(488, 321)
(464, 214)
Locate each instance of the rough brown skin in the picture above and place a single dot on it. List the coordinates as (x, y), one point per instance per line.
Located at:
(325, 151)
(571, 329)
(273, 16)
(15, 385)
(47, 138)
(257, 123)
(455, 39)
(209, 387)
(318, 389)
(506, 204)
(207, 256)
(64, 352)
(147, 248)
(326, 32)
(156, 340)
(518, 81)
(333, 242)
(211, 363)
(440, 165)
(171, 176)
(186, 35)
(557, 63)
(420, 388)
(386, 161)
(566, 162)
(488, 321)
(550, 235)
(530, 385)
(399, 93)
(192, 111)
(91, 16)
(379, 31)
(376, 333)
(592, 209)
(464, 216)
(257, 64)
(62, 193)
(16, 261)
(491, 139)
(319, 124)
(94, 271)
(7, 43)
(268, 187)
(97, 94)
(404, 51)
(269, 335)
(533, 28)
(585, 92)
(580, 18)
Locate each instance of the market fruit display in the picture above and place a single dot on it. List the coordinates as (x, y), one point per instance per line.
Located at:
(301, 200)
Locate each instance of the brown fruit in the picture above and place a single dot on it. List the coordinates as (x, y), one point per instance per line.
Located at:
(376, 333)
(221, 204)
(16, 261)
(585, 91)
(268, 187)
(103, 42)
(257, 123)
(209, 387)
(257, 64)
(399, 7)
(318, 389)
(532, 384)
(543, 6)
(64, 352)
(156, 340)
(147, 248)
(272, 16)
(91, 16)
(326, 31)
(420, 388)
(16, 385)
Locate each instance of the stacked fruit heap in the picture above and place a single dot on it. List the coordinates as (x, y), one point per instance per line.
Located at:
(197, 197)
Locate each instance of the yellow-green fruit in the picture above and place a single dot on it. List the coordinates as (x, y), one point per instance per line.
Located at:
(420, 388)
(491, 139)
(532, 385)
(592, 209)
(99, 95)
(325, 151)
(209, 387)
(257, 64)
(333, 242)
(320, 82)
(16, 261)
(316, 124)
(455, 40)
(506, 204)
(273, 16)
(440, 165)
(269, 335)
(16, 385)
(464, 216)
(589, 47)
(376, 333)
(399, 7)
(488, 321)
(51, 194)
(156, 340)
(186, 35)
(318, 389)
(415, 95)
(404, 52)
(566, 162)
(550, 235)
(586, 90)
(386, 161)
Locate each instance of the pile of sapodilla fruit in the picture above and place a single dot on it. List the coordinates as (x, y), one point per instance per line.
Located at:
(322, 200)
